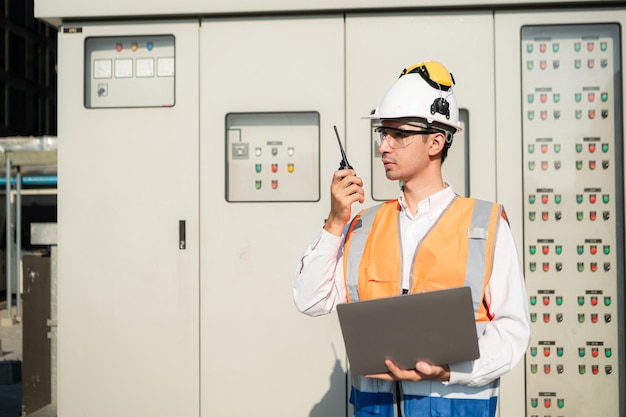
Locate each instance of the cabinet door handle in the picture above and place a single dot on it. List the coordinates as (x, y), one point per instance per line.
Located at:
(182, 240)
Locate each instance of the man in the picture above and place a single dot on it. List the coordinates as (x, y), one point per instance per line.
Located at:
(428, 239)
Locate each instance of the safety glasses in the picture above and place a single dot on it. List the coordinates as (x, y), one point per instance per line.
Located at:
(398, 138)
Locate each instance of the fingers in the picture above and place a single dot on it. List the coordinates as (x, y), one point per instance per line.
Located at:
(422, 371)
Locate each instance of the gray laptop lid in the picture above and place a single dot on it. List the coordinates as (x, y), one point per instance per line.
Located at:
(437, 327)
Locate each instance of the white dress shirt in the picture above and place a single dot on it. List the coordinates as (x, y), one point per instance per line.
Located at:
(319, 286)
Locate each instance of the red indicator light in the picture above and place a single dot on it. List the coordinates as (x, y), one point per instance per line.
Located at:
(591, 97)
(592, 147)
(594, 268)
(595, 369)
(544, 198)
(543, 65)
(546, 317)
(547, 401)
(594, 249)
(543, 98)
(591, 63)
(546, 301)
(593, 215)
(592, 198)
(544, 115)
(546, 351)
(594, 301)
(274, 168)
(118, 47)
(545, 216)
(542, 47)
(592, 164)
(594, 352)
(592, 114)
(544, 165)
(545, 250)
(594, 318)
(546, 369)
(590, 46)
(274, 184)
(544, 148)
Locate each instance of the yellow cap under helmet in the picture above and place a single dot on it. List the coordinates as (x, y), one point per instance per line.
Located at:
(423, 91)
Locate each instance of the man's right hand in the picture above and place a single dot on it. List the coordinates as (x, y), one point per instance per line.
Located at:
(345, 189)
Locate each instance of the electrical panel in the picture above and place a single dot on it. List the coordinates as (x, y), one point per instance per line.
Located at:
(272, 157)
(130, 71)
(573, 208)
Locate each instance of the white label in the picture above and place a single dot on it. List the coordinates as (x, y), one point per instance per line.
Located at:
(145, 67)
(123, 68)
(165, 67)
(102, 68)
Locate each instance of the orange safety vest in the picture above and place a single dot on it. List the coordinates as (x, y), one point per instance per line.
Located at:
(457, 251)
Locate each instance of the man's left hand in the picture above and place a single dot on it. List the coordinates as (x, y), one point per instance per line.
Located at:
(423, 371)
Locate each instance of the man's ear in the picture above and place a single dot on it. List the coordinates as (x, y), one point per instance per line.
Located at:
(438, 141)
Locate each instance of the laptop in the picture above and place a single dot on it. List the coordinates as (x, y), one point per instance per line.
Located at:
(437, 327)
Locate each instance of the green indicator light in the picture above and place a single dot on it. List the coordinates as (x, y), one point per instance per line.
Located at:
(533, 351)
(607, 301)
(532, 267)
(579, 165)
(533, 300)
(531, 98)
(578, 114)
(581, 318)
(558, 199)
(559, 351)
(560, 403)
(532, 216)
(603, 46)
(533, 249)
(581, 352)
(579, 148)
(555, 47)
(533, 317)
(535, 402)
(579, 198)
(606, 249)
(581, 301)
(557, 148)
(531, 165)
(529, 48)
(605, 198)
(581, 369)
(581, 268)
(257, 168)
(530, 65)
(577, 46)
(531, 115)
(580, 249)
(559, 301)
(531, 148)
(531, 199)
(605, 147)
(557, 97)
(559, 249)
(578, 97)
(604, 96)
(577, 64)
(608, 352)
(258, 184)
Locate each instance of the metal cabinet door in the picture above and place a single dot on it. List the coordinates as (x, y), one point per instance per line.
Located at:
(128, 296)
(259, 355)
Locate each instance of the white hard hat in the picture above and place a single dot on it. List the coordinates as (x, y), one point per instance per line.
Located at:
(423, 91)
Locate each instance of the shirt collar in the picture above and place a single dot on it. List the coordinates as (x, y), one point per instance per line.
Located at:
(431, 206)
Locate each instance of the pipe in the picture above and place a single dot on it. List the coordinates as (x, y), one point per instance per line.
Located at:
(8, 234)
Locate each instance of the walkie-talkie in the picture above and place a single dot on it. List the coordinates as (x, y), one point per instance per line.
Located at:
(344, 164)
